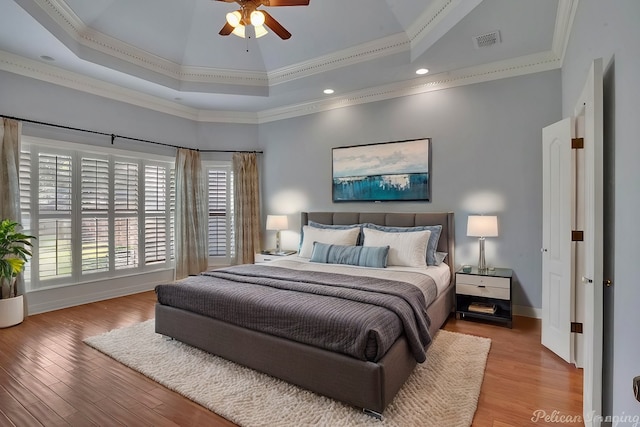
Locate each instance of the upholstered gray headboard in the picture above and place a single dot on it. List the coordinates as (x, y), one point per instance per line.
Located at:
(445, 244)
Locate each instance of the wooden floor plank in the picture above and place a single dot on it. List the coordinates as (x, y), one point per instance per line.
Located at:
(46, 415)
(15, 412)
(49, 376)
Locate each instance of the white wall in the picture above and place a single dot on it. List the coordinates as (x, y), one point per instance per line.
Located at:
(611, 30)
(486, 158)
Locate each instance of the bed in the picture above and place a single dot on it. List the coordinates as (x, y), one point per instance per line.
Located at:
(365, 382)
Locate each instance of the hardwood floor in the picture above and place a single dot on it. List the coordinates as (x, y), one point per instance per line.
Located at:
(49, 377)
(523, 380)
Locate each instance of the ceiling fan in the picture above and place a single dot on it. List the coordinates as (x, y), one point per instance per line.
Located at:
(249, 14)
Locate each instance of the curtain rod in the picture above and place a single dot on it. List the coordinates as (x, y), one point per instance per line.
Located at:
(113, 136)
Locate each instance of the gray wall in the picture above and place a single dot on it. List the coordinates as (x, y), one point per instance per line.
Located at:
(486, 158)
(33, 99)
(611, 31)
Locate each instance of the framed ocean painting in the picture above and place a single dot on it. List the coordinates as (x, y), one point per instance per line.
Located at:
(389, 171)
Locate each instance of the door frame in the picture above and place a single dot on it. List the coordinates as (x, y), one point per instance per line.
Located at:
(590, 105)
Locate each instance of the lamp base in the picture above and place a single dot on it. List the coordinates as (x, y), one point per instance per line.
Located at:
(482, 265)
(278, 248)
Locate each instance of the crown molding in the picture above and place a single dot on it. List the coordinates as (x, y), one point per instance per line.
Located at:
(72, 25)
(45, 72)
(396, 43)
(529, 64)
(435, 21)
(565, 14)
(77, 30)
(497, 70)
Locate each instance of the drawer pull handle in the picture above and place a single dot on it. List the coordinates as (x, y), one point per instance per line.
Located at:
(481, 286)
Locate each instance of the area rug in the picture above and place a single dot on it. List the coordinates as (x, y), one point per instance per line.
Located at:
(443, 391)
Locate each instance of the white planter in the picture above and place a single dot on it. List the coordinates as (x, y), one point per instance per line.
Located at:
(11, 311)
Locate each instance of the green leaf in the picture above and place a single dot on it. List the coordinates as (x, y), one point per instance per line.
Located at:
(16, 265)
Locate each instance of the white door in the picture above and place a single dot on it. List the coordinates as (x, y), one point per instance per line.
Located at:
(558, 197)
(590, 105)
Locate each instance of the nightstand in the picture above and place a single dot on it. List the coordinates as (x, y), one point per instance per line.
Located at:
(485, 295)
(268, 256)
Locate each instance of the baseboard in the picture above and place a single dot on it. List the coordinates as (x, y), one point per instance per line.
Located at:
(522, 310)
(42, 301)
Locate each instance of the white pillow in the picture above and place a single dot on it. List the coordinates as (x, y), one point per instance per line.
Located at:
(329, 236)
(405, 249)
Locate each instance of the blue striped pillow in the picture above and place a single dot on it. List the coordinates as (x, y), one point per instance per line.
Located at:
(363, 256)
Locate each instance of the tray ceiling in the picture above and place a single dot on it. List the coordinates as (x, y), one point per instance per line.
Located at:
(168, 55)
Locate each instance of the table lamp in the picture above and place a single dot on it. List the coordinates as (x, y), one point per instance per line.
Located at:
(482, 226)
(277, 223)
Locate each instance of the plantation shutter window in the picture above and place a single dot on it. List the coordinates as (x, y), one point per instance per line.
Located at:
(95, 215)
(155, 220)
(95, 209)
(220, 206)
(126, 198)
(54, 200)
(25, 204)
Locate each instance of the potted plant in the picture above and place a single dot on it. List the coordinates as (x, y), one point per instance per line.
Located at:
(13, 255)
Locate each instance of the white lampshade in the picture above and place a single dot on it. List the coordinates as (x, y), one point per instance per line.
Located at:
(260, 31)
(233, 18)
(239, 31)
(277, 222)
(257, 18)
(482, 226)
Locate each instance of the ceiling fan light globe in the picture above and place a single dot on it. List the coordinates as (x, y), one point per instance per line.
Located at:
(239, 31)
(257, 18)
(260, 31)
(234, 18)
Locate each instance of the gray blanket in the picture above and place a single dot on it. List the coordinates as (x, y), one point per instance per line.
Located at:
(358, 316)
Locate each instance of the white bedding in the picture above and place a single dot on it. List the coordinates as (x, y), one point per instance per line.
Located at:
(441, 274)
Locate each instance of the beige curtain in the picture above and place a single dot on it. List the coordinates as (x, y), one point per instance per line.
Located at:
(247, 206)
(10, 133)
(191, 220)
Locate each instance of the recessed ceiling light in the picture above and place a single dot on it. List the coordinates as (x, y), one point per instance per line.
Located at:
(422, 71)
(328, 91)
(47, 58)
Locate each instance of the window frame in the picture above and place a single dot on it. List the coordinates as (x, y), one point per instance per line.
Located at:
(34, 146)
(226, 166)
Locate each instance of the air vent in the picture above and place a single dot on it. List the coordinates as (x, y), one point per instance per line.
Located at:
(486, 40)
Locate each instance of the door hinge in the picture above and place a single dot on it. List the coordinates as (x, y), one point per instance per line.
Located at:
(577, 143)
(576, 327)
(577, 236)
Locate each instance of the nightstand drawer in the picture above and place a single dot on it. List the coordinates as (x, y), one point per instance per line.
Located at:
(488, 281)
(483, 291)
(262, 258)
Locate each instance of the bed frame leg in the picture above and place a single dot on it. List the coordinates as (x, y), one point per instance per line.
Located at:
(373, 414)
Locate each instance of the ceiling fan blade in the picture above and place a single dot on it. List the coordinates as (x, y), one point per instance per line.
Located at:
(285, 2)
(275, 26)
(227, 29)
(227, 1)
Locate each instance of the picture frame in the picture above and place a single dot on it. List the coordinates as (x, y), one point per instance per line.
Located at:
(382, 172)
